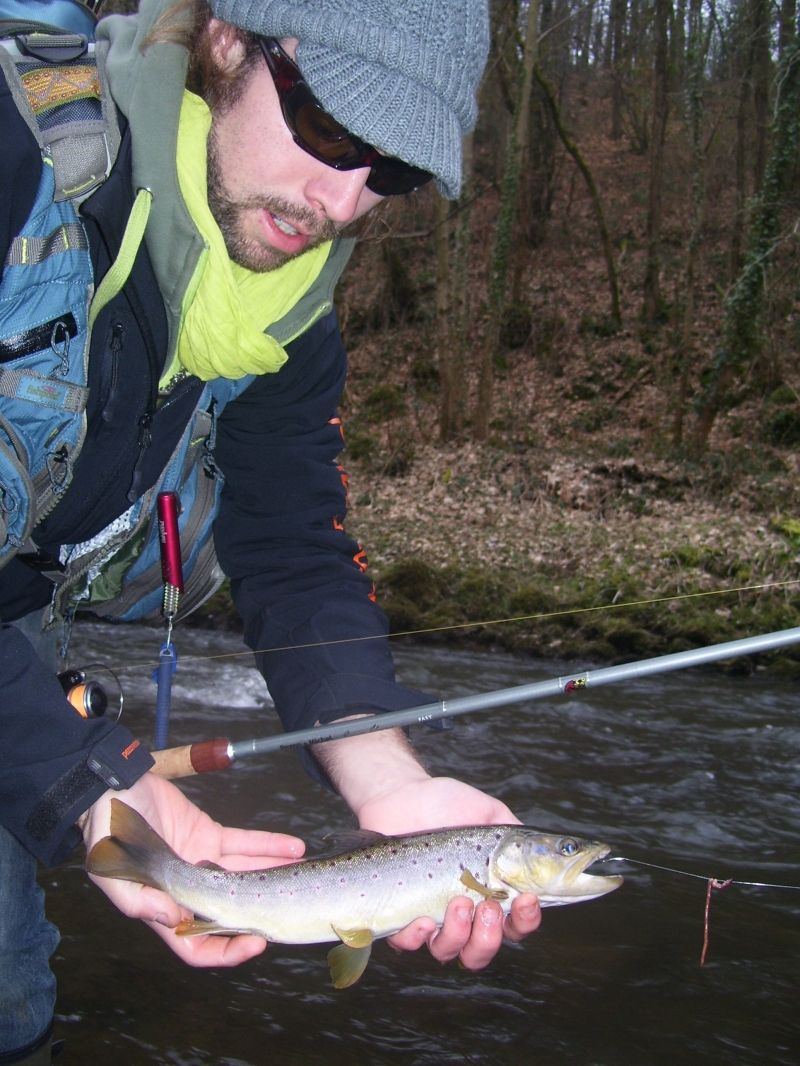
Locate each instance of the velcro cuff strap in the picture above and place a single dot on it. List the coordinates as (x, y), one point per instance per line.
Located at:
(117, 761)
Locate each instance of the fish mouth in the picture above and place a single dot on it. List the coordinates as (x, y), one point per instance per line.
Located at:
(576, 884)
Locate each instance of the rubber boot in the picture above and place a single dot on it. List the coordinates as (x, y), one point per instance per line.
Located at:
(38, 1053)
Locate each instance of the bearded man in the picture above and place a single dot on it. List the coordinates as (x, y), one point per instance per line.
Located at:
(171, 215)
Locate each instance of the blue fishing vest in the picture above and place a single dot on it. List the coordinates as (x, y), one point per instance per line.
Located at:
(46, 292)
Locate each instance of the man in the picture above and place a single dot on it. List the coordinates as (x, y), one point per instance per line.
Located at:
(221, 217)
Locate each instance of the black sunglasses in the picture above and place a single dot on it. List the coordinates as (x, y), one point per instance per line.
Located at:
(319, 134)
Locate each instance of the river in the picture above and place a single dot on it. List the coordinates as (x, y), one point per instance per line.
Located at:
(694, 770)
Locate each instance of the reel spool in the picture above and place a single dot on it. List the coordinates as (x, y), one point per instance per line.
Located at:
(86, 694)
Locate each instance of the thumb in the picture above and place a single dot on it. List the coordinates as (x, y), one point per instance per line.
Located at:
(140, 901)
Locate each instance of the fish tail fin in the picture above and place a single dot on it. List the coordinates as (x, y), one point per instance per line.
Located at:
(133, 852)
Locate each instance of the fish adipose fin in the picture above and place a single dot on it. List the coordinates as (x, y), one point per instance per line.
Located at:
(349, 959)
(131, 852)
(470, 882)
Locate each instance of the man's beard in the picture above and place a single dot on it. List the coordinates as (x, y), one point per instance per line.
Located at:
(230, 214)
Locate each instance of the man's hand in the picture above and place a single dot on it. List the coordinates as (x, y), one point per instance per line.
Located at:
(391, 792)
(194, 836)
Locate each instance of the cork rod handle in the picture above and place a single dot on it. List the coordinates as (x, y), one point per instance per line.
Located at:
(192, 759)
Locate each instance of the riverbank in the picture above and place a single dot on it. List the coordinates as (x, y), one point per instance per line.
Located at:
(470, 545)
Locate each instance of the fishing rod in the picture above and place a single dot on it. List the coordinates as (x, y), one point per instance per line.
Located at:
(219, 754)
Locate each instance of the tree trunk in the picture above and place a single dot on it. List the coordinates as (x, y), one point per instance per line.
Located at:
(446, 355)
(737, 229)
(653, 305)
(572, 148)
(616, 31)
(761, 80)
(742, 336)
(501, 248)
(696, 53)
(787, 24)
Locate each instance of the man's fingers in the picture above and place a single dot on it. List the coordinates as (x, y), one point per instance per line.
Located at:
(256, 842)
(456, 931)
(414, 935)
(485, 938)
(140, 901)
(525, 917)
(212, 950)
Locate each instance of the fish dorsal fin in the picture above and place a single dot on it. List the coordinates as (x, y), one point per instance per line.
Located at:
(470, 882)
(348, 960)
(207, 864)
(341, 840)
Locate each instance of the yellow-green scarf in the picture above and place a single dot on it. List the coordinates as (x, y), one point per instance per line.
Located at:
(227, 308)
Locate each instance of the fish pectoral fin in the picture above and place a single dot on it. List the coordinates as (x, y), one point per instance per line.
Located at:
(192, 927)
(469, 881)
(354, 938)
(348, 963)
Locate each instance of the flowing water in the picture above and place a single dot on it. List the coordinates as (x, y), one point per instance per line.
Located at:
(693, 770)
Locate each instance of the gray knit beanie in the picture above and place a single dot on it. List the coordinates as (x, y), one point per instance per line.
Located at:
(400, 74)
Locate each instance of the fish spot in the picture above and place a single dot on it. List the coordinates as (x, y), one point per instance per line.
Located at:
(440, 859)
(368, 856)
(413, 862)
(258, 894)
(341, 880)
(487, 860)
(478, 847)
(333, 864)
(263, 877)
(297, 873)
(233, 891)
(374, 877)
(363, 894)
(427, 843)
(430, 875)
(394, 851)
(400, 882)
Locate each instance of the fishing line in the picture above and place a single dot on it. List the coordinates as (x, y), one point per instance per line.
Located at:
(477, 625)
(700, 877)
(713, 885)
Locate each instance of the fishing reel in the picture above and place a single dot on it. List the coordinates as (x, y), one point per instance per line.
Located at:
(87, 695)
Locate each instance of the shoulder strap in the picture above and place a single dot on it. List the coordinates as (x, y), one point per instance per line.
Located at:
(59, 86)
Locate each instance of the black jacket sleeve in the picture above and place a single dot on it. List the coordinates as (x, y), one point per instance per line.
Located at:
(297, 579)
(53, 763)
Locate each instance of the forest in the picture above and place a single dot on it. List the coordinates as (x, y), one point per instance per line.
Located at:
(577, 388)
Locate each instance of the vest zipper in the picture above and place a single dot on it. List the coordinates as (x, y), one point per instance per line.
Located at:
(144, 423)
(115, 344)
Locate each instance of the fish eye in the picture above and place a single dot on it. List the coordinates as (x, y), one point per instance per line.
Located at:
(568, 846)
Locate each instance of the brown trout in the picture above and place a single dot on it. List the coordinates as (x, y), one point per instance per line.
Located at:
(374, 886)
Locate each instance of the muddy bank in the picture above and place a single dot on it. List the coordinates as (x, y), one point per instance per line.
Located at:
(551, 556)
